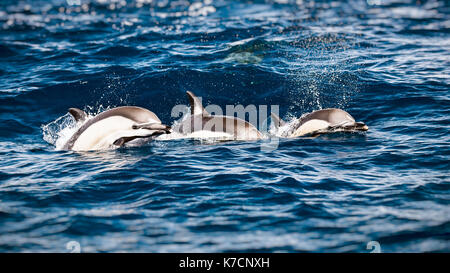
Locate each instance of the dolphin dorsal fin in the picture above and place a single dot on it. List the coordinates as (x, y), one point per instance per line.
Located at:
(196, 105)
(78, 114)
(277, 120)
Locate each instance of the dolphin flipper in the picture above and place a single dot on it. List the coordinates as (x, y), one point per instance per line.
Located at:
(78, 114)
(123, 140)
(196, 105)
(277, 120)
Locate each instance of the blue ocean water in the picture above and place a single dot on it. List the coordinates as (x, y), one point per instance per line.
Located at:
(386, 62)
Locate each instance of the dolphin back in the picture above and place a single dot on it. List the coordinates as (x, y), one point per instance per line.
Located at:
(333, 116)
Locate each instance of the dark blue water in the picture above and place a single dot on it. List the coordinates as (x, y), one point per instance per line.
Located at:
(386, 62)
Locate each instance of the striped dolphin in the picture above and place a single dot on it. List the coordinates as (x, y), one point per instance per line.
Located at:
(320, 122)
(202, 124)
(114, 128)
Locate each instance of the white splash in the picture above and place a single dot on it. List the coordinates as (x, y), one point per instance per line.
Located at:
(283, 130)
(59, 131)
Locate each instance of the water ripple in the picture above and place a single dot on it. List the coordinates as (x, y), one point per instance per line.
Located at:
(385, 62)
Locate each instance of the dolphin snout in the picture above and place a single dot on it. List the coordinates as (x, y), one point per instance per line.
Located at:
(354, 126)
(151, 126)
(361, 126)
(161, 127)
(167, 129)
